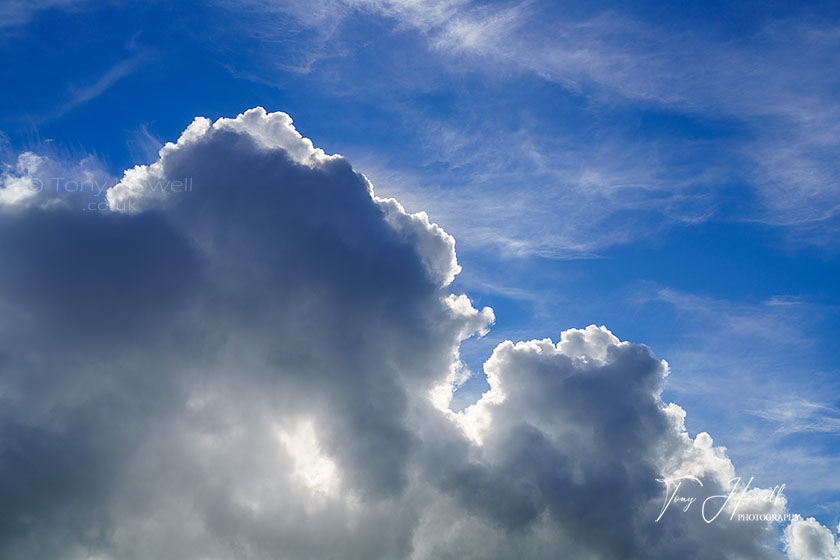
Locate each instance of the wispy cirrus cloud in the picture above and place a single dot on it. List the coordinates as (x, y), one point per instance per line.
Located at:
(138, 57)
(765, 86)
(792, 416)
(762, 376)
(772, 80)
(18, 13)
(764, 89)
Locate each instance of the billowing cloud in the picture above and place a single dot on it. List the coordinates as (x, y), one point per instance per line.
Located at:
(251, 355)
(806, 539)
(31, 179)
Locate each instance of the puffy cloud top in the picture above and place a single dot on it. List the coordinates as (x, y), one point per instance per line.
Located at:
(807, 539)
(146, 186)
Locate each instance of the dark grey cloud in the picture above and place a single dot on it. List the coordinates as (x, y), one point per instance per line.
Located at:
(251, 355)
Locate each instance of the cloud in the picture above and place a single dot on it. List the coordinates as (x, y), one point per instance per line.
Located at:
(259, 366)
(19, 185)
(806, 539)
(15, 13)
(575, 440)
(757, 81)
(29, 180)
(115, 73)
(296, 298)
(760, 92)
(754, 374)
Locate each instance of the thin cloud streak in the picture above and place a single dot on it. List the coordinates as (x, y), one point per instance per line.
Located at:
(769, 83)
(103, 83)
(750, 372)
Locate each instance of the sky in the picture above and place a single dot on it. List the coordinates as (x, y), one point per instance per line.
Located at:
(418, 279)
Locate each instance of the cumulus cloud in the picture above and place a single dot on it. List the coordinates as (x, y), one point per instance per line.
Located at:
(36, 180)
(259, 366)
(807, 539)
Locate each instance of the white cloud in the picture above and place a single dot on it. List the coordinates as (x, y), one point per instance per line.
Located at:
(146, 186)
(46, 181)
(312, 467)
(19, 184)
(245, 370)
(82, 94)
(14, 13)
(754, 374)
(806, 539)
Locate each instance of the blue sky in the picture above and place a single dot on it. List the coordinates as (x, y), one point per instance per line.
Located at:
(669, 170)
